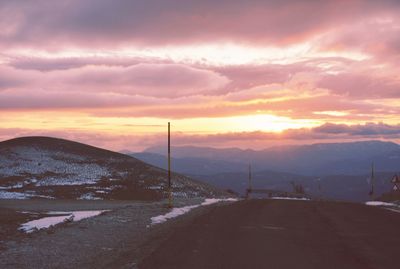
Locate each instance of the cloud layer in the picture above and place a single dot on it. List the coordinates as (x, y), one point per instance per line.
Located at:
(149, 22)
(335, 63)
(324, 134)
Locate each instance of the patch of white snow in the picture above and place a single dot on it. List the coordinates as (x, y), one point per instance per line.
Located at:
(394, 210)
(379, 203)
(89, 196)
(290, 198)
(47, 222)
(177, 211)
(14, 195)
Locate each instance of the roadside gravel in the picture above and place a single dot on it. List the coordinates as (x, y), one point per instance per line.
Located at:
(119, 238)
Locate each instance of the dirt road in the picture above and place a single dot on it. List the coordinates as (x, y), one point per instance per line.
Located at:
(284, 234)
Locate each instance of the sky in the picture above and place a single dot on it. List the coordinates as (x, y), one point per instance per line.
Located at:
(248, 74)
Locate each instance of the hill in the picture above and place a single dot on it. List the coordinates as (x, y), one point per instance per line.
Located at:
(44, 167)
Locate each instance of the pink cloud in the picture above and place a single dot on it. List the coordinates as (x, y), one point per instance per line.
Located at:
(65, 63)
(328, 77)
(376, 35)
(364, 86)
(100, 22)
(11, 78)
(157, 80)
(56, 100)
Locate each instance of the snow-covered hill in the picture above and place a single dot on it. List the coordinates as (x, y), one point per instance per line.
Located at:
(55, 168)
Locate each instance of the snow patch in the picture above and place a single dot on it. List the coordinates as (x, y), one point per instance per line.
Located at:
(47, 222)
(22, 195)
(290, 198)
(394, 210)
(177, 211)
(89, 196)
(67, 169)
(173, 214)
(379, 203)
(14, 195)
(156, 187)
(215, 200)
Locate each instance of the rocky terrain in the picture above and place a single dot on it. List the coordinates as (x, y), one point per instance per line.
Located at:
(118, 238)
(51, 168)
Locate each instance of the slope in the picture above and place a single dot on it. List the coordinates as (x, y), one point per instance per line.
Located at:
(56, 168)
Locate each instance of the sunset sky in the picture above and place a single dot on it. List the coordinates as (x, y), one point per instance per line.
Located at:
(247, 74)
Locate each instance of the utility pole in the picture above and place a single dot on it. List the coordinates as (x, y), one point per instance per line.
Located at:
(250, 186)
(371, 193)
(319, 188)
(169, 168)
(249, 189)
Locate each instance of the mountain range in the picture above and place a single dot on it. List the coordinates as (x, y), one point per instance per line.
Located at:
(315, 160)
(44, 167)
(342, 170)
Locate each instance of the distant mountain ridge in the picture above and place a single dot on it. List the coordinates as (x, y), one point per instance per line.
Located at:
(45, 167)
(190, 165)
(350, 158)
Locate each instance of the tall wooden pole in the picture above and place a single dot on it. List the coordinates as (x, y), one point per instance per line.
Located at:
(250, 186)
(372, 181)
(169, 167)
(319, 188)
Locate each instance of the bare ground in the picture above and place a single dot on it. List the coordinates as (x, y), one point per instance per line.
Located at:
(119, 238)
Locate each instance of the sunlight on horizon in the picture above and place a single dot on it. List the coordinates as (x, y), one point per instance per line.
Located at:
(78, 121)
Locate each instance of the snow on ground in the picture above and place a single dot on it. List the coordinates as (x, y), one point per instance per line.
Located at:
(290, 198)
(21, 195)
(80, 215)
(379, 203)
(14, 195)
(216, 200)
(172, 214)
(394, 210)
(23, 168)
(47, 222)
(67, 169)
(42, 223)
(89, 196)
(389, 206)
(177, 211)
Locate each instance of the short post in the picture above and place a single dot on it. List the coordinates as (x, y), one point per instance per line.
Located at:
(396, 183)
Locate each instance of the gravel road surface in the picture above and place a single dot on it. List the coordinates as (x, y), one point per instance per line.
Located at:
(118, 238)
